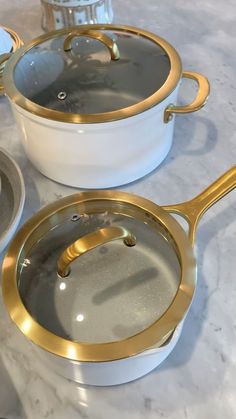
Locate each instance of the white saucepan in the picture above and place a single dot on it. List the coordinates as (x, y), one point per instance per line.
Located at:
(101, 281)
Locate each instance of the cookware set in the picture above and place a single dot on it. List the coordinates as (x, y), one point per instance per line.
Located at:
(101, 281)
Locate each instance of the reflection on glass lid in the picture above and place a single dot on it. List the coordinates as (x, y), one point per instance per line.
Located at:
(112, 291)
(86, 78)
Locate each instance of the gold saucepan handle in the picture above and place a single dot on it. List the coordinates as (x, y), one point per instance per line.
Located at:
(89, 242)
(198, 102)
(99, 36)
(3, 59)
(193, 210)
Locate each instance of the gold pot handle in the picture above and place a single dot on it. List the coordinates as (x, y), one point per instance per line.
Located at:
(99, 36)
(17, 41)
(3, 59)
(193, 210)
(198, 102)
(89, 242)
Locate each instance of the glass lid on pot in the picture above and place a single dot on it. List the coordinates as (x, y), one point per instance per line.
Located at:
(94, 73)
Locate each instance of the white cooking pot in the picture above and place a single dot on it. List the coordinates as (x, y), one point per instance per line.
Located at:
(102, 114)
(101, 281)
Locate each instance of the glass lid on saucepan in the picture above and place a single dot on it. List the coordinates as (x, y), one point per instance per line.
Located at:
(111, 292)
(105, 275)
(94, 73)
(95, 274)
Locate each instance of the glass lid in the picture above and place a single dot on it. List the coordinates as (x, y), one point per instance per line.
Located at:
(104, 275)
(99, 276)
(113, 291)
(94, 73)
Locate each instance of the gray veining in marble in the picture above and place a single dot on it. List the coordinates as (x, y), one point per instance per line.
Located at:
(199, 378)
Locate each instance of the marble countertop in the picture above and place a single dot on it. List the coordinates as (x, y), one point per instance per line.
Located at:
(198, 380)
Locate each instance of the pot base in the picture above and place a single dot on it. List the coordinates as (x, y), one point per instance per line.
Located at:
(114, 372)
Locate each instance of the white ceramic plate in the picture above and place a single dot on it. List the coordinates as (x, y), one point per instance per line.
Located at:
(12, 197)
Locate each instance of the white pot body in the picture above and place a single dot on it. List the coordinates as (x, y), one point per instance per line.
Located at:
(113, 372)
(99, 155)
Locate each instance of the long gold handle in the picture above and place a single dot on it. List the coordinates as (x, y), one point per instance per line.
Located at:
(89, 242)
(3, 59)
(193, 210)
(198, 102)
(99, 36)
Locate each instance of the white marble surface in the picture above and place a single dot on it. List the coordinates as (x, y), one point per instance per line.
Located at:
(199, 378)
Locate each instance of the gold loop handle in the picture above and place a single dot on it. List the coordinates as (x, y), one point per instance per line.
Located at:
(99, 36)
(3, 59)
(89, 242)
(193, 210)
(198, 102)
